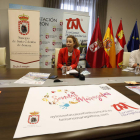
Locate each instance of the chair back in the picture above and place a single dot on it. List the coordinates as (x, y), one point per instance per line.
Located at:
(2, 56)
(56, 56)
(126, 56)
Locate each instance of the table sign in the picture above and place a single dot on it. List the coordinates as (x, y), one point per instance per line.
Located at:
(49, 110)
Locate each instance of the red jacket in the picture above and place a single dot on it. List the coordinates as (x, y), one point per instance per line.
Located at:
(63, 57)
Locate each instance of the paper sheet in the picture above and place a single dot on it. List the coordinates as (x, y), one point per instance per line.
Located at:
(33, 78)
(49, 110)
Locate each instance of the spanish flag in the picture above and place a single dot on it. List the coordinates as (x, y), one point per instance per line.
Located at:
(109, 47)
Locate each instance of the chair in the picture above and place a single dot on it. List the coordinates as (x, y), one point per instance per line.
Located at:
(2, 56)
(56, 56)
(126, 56)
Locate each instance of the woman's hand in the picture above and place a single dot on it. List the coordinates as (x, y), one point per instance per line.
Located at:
(68, 68)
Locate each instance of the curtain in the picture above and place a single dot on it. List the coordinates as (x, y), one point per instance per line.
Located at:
(94, 7)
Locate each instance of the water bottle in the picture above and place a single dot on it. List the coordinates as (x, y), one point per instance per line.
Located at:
(64, 69)
(137, 69)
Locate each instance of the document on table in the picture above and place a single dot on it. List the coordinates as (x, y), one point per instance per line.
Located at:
(72, 71)
(33, 78)
(128, 69)
(135, 89)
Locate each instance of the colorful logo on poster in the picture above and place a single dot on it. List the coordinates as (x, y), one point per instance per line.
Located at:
(61, 22)
(46, 50)
(23, 24)
(54, 28)
(47, 36)
(74, 24)
(60, 36)
(122, 106)
(53, 43)
(33, 118)
(65, 98)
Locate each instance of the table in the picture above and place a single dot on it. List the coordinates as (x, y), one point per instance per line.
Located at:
(12, 101)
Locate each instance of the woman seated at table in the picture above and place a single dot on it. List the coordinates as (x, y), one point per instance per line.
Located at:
(70, 54)
(134, 57)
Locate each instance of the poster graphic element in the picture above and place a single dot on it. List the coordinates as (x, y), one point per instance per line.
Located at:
(24, 38)
(76, 25)
(23, 24)
(71, 108)
(33, 118)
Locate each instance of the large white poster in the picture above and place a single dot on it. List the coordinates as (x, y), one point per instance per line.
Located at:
(50, 110)
(24, 33)
(76, 25)
(51, 25)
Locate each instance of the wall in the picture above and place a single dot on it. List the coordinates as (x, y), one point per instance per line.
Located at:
(4, 25)
(128, 10)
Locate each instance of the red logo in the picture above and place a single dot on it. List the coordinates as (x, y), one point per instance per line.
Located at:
(53, 43)
(61, 23)
(60, 37)
(33, 118)
(47, 49)
(47, 36)
(73, 25)
(53, 56)
(121, 106)
(54, 29)
(23, 24)
(40, 42)
(46, 63)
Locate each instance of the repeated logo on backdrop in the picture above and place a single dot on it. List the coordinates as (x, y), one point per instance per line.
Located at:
(53, 42)
(61, 22)
(47, 36)
(54, 28)
(60, 36)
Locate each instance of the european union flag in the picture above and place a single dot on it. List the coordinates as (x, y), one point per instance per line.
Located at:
(133, 43)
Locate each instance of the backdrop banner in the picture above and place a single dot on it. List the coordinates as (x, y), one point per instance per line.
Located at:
(76, 25)
(24, 38)
(49, 110)
(51, 25)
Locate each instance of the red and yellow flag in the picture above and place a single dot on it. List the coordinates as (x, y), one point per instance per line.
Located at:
(120, 43)
(109, 47)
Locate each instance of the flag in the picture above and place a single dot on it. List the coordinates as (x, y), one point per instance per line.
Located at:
(95, 55)
(109, 47)
(133, 43)
(120, 43)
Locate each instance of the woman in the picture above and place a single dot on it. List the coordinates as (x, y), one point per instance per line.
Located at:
(70, 54)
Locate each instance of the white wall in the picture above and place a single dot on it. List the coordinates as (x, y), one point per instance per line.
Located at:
(4, 25)
(128, 10)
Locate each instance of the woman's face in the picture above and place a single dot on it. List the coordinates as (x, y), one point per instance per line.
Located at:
(70, 43)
